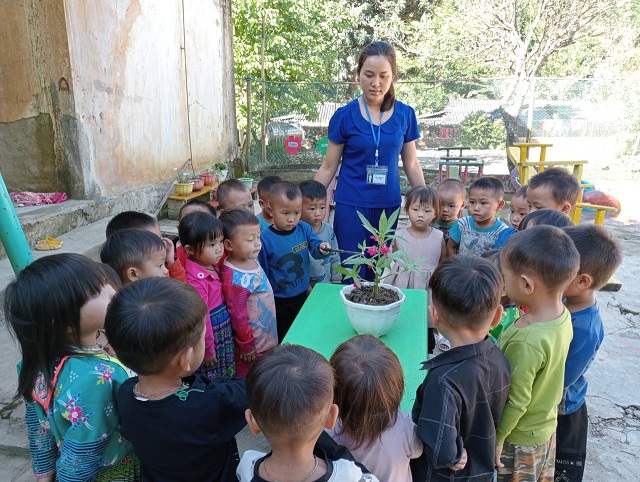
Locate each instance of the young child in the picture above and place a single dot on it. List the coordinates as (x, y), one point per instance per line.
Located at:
(420, 241)
(368, 390)
(182, 426)
(233, 193)
(263, 200)
(284, 256)
(202, 236)
(246, 289)
(191, 206)
(546, 217)
(599, 258)
(314, 200)
(55, 308)
(451, 197)
(519, 207)
(458, 406)
(536, 346)
(481, 230)
(290, 393)
(553, 188)
(138, 220)
(135, 254)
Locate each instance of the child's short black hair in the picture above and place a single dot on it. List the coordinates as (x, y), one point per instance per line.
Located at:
(128, 248)
(198, 228)
(226, 187)
(130, 219)
(313, 190)
(266, 183)
(197, 203)
(546, 217)
(600, 254)
(466, 291)
(488, 183)
(424, 195)
(151, 321)
(454, 186)
(545, 252)
(285, 189)
(290, 391)
(521, 192)
(564, 186)
(233, 217)
(111, 276)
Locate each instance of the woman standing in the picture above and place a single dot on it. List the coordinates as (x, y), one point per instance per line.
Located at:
(368, 135)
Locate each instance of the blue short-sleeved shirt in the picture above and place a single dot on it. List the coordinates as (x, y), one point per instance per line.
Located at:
(348, 127)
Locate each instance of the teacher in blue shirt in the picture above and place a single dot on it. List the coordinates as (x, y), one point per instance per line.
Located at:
(367, 136)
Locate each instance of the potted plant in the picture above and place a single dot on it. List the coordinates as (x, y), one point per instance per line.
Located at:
(209, 176)
(183, 184)
(221, 171)
(374, 307)
(198, 182)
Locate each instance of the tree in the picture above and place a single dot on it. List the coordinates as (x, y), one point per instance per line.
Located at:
(520, 37)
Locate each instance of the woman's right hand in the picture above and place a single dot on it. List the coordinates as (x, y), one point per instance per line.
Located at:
(329, 166)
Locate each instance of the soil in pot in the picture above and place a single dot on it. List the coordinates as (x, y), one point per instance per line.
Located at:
(364, 295)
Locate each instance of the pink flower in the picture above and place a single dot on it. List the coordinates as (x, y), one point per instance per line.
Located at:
(384, 249)
(375, 238)
(372, 251)
(75, 414)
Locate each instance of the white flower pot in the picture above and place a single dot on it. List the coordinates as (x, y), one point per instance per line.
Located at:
(374, 320)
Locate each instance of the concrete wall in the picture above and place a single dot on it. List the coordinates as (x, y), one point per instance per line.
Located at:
(142, 76)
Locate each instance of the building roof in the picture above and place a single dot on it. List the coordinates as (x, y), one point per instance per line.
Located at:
(325, 112)
(458, 110)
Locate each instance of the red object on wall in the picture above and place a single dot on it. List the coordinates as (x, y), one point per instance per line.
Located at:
(292, 144)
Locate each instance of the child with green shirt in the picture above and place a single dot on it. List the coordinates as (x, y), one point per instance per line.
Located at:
(538, 264)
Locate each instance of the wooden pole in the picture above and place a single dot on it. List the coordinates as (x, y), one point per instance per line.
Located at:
(262, 78)
(247, 139)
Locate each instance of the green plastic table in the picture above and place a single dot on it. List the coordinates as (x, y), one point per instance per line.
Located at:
(322, 325)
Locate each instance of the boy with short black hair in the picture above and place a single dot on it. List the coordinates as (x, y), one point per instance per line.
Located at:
(314, 200)
(246, 288)
(182, 426)
(599, 258)
(538, 265)
(138, 220)
(481, 230)
(553, 188)
(290, 392)
(458, 406)
(452, 196)
(263, 188)
(135, 254)
(234, 193)
(286, 247)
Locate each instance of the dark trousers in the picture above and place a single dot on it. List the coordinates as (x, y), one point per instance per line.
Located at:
(286, 311)
(571, 445)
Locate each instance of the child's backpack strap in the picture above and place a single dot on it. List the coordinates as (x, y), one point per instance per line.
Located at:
(42, 392)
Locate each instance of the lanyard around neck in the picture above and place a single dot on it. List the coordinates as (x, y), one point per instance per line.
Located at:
(376, 139)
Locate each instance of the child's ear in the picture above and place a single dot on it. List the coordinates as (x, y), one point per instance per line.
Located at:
(228, 245)
(497, 315)
(434, 316)
(131, 274)
(332, 416)
(585, 281)
(527, 283)
(501, 204)
(251, 422)
(183, 360)
(566, 208)
(261, 203)
(189, 250)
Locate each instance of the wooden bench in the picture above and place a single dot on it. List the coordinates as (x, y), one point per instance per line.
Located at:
(463, 163)
(454, 148)
(175, 201)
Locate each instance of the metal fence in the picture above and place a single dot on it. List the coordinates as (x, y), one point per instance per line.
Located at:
(285, 124)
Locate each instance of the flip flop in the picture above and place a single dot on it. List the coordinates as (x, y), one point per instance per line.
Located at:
(48, 244)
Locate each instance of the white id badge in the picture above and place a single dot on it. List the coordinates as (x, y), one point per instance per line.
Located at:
(377, 175)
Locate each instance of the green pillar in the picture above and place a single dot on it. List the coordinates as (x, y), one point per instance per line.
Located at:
(11, 234)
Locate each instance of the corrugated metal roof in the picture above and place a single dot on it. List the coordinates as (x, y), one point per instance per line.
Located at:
(458, 110)
(325, 112)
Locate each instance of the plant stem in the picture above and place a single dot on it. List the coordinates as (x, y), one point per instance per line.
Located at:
(375, 286)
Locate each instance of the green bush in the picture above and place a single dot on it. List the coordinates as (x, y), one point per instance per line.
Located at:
(478, 131)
